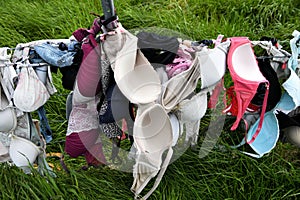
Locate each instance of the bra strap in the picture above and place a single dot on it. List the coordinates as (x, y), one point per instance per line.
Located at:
(261, 116)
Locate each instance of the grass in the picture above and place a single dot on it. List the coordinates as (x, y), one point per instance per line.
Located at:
(220, 175)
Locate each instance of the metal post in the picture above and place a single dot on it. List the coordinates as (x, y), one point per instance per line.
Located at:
(108, 8)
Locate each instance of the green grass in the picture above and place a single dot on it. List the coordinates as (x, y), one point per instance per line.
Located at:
(220, 175)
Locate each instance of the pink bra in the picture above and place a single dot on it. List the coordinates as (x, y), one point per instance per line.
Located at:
(246, 78)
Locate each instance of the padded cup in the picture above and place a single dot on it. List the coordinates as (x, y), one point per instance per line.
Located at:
(141, 85)
(212, 69)
(8, 120)
(153, 130)
(8, 116)
(30, 93)
(245, 65)
(22, 151)
(193, 109)
(134, 74)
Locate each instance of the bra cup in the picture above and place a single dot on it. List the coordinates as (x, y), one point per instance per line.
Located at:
(268, 136)
(152, 129)
(8, 120)
(141, 85)
(134, 74)
(22, 151)
(8, 116)
(30, 93)
(193, 109)
(212, 69)
(244, 63)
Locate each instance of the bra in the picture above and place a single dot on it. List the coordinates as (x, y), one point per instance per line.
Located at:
(30, 93)
(153, 136)
(246, 78)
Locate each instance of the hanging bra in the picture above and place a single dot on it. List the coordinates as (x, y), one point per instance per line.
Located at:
(246, 78)
(30, 93)
(153, 136)
(8, 114)
(133, 73)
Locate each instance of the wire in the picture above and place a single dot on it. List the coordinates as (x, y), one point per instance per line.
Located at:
(7, 64)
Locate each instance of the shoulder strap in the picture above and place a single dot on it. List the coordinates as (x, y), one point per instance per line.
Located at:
(261, 115)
